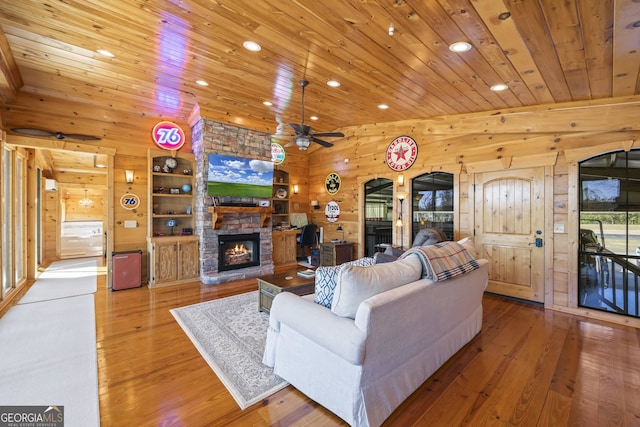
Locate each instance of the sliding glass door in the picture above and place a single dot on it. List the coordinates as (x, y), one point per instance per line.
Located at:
(7, 231)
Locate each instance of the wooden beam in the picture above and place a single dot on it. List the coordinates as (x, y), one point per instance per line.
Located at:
(10, 78)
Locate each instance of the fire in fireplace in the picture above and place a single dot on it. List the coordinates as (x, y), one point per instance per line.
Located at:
(238, 251)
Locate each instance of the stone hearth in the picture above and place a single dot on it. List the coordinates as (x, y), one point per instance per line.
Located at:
(213, 137)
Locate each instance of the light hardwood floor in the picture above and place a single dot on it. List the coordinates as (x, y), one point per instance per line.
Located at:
(527, 367)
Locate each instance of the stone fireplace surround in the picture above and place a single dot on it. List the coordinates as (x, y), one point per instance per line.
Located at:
(212, 137)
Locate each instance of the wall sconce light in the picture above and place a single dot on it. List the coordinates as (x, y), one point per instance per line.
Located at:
(401, 197)
(128, 176)
(315, 204)
(295, 188)
(400, 180)
(342, 230)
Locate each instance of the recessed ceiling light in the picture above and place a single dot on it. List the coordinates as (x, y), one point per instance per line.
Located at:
(267, 103)
(499, 87)
(252, 46)
(314, 117)
(383, 106)
(459, 47)
(504, 16)
(202, 83)
(106, 53)
(333, 83)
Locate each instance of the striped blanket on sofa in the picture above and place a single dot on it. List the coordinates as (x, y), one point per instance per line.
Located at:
(443, 260)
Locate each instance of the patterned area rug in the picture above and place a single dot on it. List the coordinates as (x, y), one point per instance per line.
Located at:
(230, 334)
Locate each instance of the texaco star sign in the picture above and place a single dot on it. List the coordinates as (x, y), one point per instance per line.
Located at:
(401, 153)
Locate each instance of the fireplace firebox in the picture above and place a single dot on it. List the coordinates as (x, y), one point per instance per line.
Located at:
(238, 251)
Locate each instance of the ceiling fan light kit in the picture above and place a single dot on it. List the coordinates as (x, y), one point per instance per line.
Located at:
(304, 134)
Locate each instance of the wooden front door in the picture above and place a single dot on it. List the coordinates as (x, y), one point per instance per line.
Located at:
(509, 220)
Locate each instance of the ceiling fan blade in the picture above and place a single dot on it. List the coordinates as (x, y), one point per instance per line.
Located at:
(33, 132)
(330, 134)
(321, 142)
(80, 137)
(296, 127)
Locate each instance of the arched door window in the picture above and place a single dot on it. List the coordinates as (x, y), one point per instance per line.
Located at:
(378, 218)
(609, 234)
(432, 203)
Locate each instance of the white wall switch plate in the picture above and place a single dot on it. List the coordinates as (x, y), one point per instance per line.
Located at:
(558, 228)
(130, 224)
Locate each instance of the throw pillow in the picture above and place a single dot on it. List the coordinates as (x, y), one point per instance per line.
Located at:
(468, 244)
(326, 280)
(394, 251)
(356, 284)
(426, 236)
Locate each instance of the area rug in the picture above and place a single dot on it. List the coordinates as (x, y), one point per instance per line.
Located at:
(48, 357)
(63, 279)
(230, 334)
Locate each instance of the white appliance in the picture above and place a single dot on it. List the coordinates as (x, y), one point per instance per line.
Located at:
(81, 239)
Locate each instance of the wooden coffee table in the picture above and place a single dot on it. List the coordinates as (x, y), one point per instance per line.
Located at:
(272, 285)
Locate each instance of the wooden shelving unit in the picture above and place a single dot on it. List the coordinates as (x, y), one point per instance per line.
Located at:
(280, 204)
(173, 250)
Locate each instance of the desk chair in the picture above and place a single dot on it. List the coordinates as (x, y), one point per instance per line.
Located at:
(307, 237)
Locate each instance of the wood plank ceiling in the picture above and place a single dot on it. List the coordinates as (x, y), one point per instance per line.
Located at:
(544, 51)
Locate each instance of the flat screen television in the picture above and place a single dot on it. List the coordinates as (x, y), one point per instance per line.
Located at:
(239, 177)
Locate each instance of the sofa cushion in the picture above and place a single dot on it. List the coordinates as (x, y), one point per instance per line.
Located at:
(355, 284)
(326, 280)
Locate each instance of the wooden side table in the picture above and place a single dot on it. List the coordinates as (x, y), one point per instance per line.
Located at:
(272, 285)
(335, 253)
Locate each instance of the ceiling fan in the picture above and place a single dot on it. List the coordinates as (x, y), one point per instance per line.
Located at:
(303, 133)
(58, 135)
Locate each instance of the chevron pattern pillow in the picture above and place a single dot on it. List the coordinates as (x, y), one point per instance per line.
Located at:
(326, 280)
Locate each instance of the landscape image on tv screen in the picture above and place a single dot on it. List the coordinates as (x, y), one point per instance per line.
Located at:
(239, 177)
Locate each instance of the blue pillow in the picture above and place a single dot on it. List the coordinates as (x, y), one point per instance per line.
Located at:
(326, 280)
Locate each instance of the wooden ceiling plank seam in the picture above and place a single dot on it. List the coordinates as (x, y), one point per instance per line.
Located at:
(409, 49)
(392, 78)
(565, 30)
(509, 40)
(626, 57)
(530, 22)
(433, 82)
(432, 50)
(597, 32)
(488, 47)
(440, 18)
(421, 58)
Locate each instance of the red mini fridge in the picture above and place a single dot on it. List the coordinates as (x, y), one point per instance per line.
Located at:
(126, 270)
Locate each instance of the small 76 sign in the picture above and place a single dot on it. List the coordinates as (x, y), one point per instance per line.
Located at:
(168, 135)
(129, 201)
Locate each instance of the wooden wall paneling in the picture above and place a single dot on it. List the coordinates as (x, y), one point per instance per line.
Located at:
(527, 146)
(130, 239)
(50, 226)
(549, 240)
(573, 225)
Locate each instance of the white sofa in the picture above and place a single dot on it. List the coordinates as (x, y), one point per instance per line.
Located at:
(363, 368)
